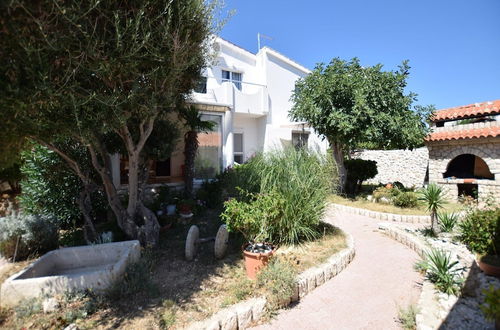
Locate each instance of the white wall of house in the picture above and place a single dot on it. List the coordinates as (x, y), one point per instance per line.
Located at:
(259, 109)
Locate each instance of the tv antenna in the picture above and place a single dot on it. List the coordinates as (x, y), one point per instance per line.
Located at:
(259, 35)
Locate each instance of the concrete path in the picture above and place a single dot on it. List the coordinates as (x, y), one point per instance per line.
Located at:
(367, 294)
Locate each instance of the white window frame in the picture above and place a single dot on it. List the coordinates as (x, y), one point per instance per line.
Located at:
(237, 83)
(242, 152)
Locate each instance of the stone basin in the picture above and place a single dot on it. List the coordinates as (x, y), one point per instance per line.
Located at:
(93, 267)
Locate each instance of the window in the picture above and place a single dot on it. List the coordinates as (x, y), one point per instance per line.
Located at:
(238, 148)
(234, 77)
(299, 140)
(201, 86)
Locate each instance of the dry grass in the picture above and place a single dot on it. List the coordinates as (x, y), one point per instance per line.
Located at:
(184, 291)
(389, 208)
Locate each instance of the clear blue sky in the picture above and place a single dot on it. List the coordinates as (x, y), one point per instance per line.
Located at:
(453, 45)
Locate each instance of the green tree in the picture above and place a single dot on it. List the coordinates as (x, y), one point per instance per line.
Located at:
(194, 124)
(98, 71)
(351, 105)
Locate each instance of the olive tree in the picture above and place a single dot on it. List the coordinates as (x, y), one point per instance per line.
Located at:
(351, 105)
(101, 74)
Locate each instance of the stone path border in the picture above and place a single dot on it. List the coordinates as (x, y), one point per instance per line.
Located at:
(425, 219)
(242, 315)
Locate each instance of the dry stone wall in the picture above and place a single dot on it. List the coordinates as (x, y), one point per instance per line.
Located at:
(406, 166)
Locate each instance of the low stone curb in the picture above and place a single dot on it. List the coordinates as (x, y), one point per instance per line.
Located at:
(431, 313)
(384, 216)
(243, 314)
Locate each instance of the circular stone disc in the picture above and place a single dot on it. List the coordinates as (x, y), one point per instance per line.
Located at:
(192, 242)
(221, 240)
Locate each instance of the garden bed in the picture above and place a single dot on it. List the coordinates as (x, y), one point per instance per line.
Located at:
(166, 290)
(436, 309)
(361, 202)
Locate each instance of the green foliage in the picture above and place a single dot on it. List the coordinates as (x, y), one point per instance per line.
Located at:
(32, 234)
(354, 104)
(385, 192)
(480, 231)
(258, 219)
(49, 187)
(447, 221)
(405, 199)
(407, 317)
(491, 306)
(299, 180)
(168, 316)
(442, 271)
(278, 278)
(359, 170)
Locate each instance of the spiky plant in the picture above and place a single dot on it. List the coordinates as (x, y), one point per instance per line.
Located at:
(447, 221)
(442, 271)
(433, 196)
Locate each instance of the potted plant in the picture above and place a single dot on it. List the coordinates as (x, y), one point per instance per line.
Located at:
(491, 306)
(252, 218)
(479, 231)
(185, 207)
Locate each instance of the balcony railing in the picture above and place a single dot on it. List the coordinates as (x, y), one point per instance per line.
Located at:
(252, 99)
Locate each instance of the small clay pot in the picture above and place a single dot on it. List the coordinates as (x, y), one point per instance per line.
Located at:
(487, 268)
(254, 262)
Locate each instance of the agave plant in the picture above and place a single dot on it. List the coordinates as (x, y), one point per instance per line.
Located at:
(433, 196)
(442, 271)
(447, 221)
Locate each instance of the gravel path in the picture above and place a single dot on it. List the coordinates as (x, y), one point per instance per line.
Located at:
(367, 294)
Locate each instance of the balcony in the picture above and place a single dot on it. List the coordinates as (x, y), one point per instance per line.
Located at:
(251, 100)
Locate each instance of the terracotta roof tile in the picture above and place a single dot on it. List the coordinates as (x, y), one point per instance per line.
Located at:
(466, 111)
(482, 132)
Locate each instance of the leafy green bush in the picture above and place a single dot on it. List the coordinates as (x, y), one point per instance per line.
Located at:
(32, 234)
(405, 199)
(278, 278)
(491, 306)
(302, 179)
(259, 220)
(447, 221)
(442, 271)
(359, 170)
(480, 231)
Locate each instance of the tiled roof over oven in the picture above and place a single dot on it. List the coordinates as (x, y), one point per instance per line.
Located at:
(468, 111)
(471, 133)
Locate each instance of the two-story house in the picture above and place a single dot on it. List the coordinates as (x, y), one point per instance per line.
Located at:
(247, 96)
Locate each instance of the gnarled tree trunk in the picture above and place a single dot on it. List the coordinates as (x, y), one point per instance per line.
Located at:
(190, 149)
(338, 156)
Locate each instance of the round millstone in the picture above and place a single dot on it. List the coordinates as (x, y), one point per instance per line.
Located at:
(192, 242)
(221, 239)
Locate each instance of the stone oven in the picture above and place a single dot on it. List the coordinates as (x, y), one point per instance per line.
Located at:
(464, 150)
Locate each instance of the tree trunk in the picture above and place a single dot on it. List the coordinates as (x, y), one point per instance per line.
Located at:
(338, 156)
(434, 222)
(89, 232)
(190, 149)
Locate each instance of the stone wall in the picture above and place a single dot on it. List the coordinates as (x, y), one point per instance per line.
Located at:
(406, 166)
(442, 152)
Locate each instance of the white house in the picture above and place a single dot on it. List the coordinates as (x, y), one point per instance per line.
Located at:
(247, 95)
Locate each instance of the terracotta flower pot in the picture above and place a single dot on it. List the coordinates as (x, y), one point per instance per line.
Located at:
(254, 262)
(488, 268)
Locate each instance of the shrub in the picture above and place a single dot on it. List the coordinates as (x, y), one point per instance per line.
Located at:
(480, 231)
(302, 179)
(442, 271)
(359, 170)
(259, 220)
(405, 199)
(32, 234)
(278, 279)
(407, 317)
(433, 196)
(491, 306)
(447, 221)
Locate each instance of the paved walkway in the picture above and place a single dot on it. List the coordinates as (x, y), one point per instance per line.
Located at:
(365, 295)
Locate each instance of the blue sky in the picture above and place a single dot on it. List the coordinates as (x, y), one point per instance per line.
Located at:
(453, 45)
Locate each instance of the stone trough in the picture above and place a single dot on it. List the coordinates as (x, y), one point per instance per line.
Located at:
(78, 268)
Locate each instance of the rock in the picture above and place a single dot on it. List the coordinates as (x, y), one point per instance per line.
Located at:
(72, 326)
(384, 200)
(221, 239)
(229, 321)
(50, 305)
(369, 198)
(244, 312)
(258, 308)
